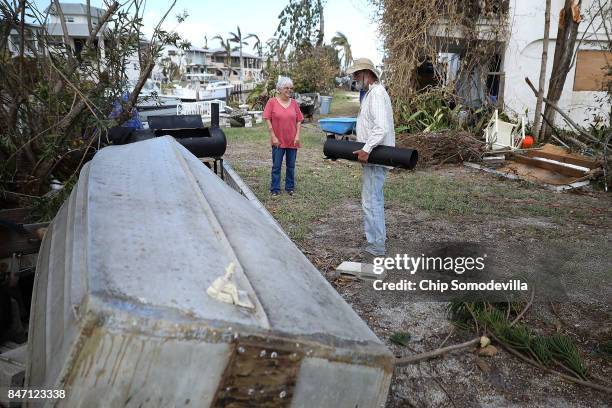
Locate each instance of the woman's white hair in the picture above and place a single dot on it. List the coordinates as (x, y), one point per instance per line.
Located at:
(282, 82)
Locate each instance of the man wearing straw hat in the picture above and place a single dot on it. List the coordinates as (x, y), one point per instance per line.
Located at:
(374, 127)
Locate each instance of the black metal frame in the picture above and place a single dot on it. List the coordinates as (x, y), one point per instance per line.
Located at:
(217, 165)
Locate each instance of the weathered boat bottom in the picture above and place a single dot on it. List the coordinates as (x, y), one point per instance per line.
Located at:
(121, 311)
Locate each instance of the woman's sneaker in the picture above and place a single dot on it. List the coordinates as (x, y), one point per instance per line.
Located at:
(274, 193)
(290, 192)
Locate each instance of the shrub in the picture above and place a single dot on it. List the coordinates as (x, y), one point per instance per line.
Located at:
(315, 70)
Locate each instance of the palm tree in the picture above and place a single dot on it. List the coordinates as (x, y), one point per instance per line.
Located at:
(256, 44)
(227, 45)
(276, 49)
(340, 41)
(237, 38)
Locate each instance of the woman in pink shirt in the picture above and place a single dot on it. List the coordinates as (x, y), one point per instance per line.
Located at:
(284, 119)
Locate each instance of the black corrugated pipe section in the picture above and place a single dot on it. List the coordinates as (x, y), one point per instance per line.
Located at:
(203, 142)
(188, 130)
(383, 155)
(175, 122)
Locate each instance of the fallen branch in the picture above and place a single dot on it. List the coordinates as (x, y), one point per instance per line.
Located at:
(569, 138)
(435, 353)
(66, 37)
(73, 63)
(443, 147)
(527, 306)
(560, 141)
(447, 337)
(551, 371)
(565, 115)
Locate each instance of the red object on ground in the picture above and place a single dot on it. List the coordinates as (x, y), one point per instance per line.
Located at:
(527, 142)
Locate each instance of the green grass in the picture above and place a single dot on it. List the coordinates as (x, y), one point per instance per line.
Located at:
(317, 194)
(446, 196)
(259, 135)
(343, 104)
(323, 186)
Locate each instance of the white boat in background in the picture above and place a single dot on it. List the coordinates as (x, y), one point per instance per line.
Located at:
(152, 103)
(201, 87)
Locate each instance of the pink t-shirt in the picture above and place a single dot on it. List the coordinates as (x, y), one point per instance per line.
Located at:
(284, 121)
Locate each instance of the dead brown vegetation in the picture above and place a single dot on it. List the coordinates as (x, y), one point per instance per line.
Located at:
(56, 98)
(445, 147)
(416, 32)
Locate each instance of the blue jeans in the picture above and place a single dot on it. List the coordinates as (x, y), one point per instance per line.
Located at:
(277, 164)
(373, 203)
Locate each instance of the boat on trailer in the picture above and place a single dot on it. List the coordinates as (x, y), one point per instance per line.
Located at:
(159, 284)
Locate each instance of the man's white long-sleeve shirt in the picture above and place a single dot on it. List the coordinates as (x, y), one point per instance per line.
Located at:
(375, 121)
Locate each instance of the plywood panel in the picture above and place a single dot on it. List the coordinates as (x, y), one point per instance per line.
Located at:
(557, 168)
(591, 70)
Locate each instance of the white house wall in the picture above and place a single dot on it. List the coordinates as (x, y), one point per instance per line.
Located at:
(523, 56)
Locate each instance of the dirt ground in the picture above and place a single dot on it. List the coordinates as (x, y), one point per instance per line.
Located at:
(463, 379)
(530, 229)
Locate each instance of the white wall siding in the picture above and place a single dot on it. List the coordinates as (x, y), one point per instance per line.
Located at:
(523, 56)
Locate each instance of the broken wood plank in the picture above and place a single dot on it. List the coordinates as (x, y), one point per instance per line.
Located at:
(492, 171)
(565, 116)
(591, 164)
(558, 168)
(557, 188)
(500, 158)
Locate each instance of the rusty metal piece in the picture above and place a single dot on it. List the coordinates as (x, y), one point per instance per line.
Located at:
(262, 375)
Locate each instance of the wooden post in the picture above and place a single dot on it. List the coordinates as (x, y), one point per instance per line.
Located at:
(538, 109)
(569, 19)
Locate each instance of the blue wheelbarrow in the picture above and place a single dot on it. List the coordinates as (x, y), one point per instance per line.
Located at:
(342, 127)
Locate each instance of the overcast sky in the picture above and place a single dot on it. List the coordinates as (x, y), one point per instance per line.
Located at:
(354, 18)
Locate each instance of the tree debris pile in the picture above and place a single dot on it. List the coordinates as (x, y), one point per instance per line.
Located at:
(445, 147)
(57, 99)
(416, 32)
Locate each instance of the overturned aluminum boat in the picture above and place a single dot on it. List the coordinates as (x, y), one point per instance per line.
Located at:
(159, 285)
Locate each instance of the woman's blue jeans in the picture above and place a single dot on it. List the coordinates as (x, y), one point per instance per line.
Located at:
(277, 164)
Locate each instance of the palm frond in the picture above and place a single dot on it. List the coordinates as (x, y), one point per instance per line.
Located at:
(547, 350)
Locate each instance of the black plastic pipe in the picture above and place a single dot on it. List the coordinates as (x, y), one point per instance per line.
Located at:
(213, 144)
(202, 142)
(175, 122)
(383, 155)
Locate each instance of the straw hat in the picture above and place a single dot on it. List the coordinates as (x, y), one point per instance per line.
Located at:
(363, 63)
